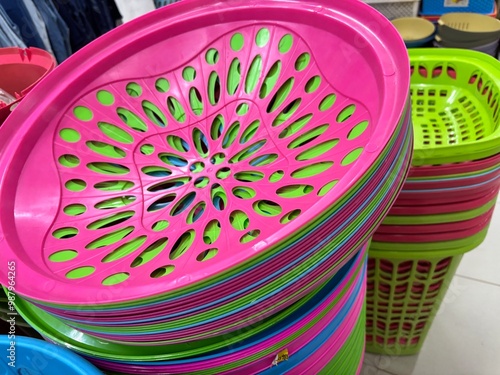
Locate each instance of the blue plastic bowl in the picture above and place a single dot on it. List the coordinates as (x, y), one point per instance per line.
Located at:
(24, 355)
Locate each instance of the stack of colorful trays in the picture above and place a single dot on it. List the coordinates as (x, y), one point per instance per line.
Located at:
(313, 333)
(447, 202)
(191, 192)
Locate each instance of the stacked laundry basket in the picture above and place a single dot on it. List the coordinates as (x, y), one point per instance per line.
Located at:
(446, 204)
(194, 192)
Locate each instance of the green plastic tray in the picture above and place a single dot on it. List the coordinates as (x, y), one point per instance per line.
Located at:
(455, 101)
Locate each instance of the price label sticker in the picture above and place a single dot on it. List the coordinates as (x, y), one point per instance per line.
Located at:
(280, 357)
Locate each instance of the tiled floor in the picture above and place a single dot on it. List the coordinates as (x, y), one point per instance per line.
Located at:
(465, 336)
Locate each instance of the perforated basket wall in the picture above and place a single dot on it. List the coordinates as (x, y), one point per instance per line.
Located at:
(403, 297)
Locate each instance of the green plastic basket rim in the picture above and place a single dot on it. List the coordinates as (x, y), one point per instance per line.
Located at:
(480, 149)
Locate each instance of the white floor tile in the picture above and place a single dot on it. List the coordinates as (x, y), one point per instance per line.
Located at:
(483, 263)
(371, 359)
(372, 370)
(465, 336)
(369, 370)
(131, 9)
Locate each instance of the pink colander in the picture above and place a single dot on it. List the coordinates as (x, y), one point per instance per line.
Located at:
(192, 140)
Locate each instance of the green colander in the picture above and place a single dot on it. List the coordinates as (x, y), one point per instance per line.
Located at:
(455, 101)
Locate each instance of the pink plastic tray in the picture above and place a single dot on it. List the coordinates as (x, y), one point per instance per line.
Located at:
(106, 115)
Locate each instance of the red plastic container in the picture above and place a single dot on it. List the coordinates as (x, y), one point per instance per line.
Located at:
(21, 70)
(447, 235)
(454, 169)
(435, 228)
(424, 208)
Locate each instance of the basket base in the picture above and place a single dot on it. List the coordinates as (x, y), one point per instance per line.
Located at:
(403, 297)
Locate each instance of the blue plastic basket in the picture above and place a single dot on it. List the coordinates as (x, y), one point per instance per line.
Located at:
(37, 357)
(161, 3)
(438, 7)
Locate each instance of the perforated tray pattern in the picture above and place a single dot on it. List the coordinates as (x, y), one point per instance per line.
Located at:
(174, 171)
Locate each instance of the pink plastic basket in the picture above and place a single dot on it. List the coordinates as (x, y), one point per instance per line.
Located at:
(228, 123)
(446, 235)
(452, 196)
(482, 178)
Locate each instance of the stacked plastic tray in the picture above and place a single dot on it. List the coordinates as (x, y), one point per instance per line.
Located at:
(314, 333)
(447, 202)
(191, 192)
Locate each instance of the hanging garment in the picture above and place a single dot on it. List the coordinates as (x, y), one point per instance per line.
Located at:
(31, 26)
(57, 29)
(39, 24)
(74, 13)
(20, 16)
(4, 39)
(114, 11)
(161, 3)
(9, 32)
(100, 17)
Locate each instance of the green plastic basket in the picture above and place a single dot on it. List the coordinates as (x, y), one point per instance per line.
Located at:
(403, 297)
(455, 101)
